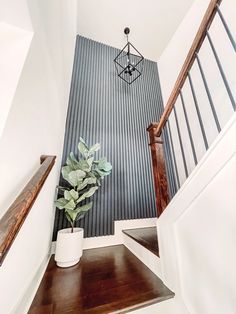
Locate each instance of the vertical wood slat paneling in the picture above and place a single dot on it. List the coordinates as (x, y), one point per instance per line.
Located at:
(103, 108)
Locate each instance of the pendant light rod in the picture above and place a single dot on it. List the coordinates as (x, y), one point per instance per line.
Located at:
(127, 31)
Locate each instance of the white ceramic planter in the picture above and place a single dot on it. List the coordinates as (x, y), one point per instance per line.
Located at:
(69, 247)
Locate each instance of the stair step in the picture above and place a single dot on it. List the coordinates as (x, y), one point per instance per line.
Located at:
(106, 280)
(146, 237)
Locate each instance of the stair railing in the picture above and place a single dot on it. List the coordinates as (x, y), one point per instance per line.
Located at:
(161, 131)
(16, 214)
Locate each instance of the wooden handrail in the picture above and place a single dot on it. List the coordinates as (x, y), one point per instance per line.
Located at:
(198, 40)
(14, 217)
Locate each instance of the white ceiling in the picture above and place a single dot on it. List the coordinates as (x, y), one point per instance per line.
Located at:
(152, 22)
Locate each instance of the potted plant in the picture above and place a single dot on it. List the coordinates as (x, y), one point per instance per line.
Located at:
(83, 178)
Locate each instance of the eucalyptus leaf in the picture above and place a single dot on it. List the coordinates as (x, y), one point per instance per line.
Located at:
(104, 165)
(72, 194)
(96, 174)
(83, 149)
(72, 214)
(83, 164)
(91, 174)
(70, 205)
(80, 216)
(94, 148)
(101, 173)
(90, 161)
(61, 203)
(65, 172)
(96, 162)
(67, 195)
(76, 177)
(82, 210)
(83, 141)
(87, 194)
(69, 218)
(91, 191)
(72, 162)
(73, 158)
(86, 181)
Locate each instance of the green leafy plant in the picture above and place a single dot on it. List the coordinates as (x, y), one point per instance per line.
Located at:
(84, 177)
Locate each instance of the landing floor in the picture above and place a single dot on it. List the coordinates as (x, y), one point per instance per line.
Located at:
(106, 280)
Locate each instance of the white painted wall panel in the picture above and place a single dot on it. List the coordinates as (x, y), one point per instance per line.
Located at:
(197, 232)
(205, 235)
(35, 126)
(14, 46)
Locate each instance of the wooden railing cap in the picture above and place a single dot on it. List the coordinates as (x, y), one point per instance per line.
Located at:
(44, 157)
(16, 214)
(152, 126)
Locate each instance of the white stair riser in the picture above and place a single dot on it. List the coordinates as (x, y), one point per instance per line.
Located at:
(144, 255)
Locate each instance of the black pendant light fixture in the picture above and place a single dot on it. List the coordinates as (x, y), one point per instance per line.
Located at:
(129, 62)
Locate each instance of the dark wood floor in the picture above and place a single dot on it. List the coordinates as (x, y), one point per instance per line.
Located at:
(106, 280)
(147, 237)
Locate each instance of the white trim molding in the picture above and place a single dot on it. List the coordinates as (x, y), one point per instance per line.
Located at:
(197, 229)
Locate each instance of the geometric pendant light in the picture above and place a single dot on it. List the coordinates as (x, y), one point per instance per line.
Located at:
(129, 62)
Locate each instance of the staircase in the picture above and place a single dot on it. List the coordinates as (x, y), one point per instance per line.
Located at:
(143, 243)
(106, 280)
(197, 211)
(196, 220)
(146, 237)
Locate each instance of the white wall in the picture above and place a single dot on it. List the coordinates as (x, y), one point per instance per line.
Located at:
(15, 39)
(173, 57)
(170, 64)
(16, 13)
(35, 126)
(197, 233)
(152, 23)
(14, 45)
(59, 42)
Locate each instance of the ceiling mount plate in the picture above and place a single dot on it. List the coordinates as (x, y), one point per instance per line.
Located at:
(126, 30)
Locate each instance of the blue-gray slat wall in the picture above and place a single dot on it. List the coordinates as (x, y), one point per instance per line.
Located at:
(103, 108)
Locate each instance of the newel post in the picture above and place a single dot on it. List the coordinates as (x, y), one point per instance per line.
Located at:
(159, 170)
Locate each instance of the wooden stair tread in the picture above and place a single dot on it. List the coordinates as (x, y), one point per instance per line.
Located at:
(106, 280)
(147, 237)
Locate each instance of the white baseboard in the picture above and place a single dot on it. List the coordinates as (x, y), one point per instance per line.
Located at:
(23, 305)
(117, 238)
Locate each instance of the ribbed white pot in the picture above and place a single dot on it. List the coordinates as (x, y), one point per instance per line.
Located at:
(69, 247)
